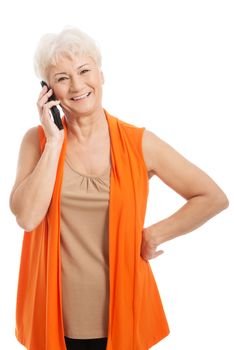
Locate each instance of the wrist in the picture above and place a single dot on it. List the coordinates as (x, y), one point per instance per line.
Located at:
(54, 142)
(166, 229)
(151, 235)
(53, 146)
(158, 234)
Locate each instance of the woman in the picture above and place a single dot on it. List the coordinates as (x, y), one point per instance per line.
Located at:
(80, 194)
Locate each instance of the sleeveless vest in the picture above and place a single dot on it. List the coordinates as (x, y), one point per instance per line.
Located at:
(136, 316)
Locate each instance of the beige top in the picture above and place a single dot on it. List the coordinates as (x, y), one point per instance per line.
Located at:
(84, 253)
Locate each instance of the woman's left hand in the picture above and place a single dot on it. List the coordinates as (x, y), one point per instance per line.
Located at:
(149, 245)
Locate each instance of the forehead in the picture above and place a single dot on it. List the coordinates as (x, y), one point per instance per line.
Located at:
(69, 62)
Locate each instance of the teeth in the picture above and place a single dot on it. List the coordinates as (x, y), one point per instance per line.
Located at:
(80, 97)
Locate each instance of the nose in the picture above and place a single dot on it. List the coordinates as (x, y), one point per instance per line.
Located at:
(76, 84)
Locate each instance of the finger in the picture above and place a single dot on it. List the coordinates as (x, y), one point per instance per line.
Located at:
(45, 112)
(50, 104)
(44, 95)
(44, 98)
(43, 91)
(157, 253)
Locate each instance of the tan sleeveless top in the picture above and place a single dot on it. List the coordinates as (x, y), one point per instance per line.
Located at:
(85, 253)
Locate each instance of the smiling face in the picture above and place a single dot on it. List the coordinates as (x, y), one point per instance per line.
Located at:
(77, 83)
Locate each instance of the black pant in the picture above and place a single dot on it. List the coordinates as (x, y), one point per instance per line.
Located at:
(86, 344)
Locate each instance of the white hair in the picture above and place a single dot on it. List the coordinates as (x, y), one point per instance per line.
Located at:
(70, 41)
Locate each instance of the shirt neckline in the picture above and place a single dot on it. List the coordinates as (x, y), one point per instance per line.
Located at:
(86, 175)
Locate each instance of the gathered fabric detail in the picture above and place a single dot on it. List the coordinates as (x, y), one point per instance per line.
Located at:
(89, 183)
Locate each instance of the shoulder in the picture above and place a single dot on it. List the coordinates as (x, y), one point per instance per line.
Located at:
(30, 145)
(29, 154)
(149, 139)
(32, 134)
(132, 131)
(152, 145)
(127, 126)
(31, 139)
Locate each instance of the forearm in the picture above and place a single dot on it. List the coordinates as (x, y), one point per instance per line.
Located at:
(190, 216)
(31, 199)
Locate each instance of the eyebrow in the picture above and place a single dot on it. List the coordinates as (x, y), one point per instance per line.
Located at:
(77, 68)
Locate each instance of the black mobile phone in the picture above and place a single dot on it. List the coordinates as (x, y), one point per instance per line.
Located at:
(54, 110)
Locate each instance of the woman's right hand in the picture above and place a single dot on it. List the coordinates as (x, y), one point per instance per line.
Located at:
(53, 134)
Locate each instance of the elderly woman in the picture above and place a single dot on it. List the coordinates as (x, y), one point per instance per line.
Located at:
(80, 194)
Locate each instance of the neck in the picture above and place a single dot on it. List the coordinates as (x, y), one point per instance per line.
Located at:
(84, 128)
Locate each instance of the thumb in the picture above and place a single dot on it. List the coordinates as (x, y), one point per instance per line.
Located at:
(157, 253)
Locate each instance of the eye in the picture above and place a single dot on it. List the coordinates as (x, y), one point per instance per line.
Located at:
(85, 70)
(62, 78)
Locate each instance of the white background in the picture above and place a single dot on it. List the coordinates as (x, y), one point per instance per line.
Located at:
(168, 66)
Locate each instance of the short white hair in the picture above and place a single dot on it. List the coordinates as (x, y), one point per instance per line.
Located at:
(70, 41)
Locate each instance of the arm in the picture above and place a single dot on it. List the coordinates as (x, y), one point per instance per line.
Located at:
(36, 173)
(31, 194)
(205, 198)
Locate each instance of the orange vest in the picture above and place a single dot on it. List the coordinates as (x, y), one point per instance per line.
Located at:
(136, 317)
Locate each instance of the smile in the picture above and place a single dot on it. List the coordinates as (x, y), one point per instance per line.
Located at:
(77, 98)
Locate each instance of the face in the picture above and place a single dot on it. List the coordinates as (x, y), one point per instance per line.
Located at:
(77, 83)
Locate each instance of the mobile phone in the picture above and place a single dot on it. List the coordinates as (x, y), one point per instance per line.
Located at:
(54, 110)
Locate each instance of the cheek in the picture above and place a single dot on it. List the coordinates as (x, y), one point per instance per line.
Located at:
(98, 83)
(96, 80)
(59, 92)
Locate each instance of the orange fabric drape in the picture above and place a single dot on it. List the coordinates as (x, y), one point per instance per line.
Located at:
(136, 317)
